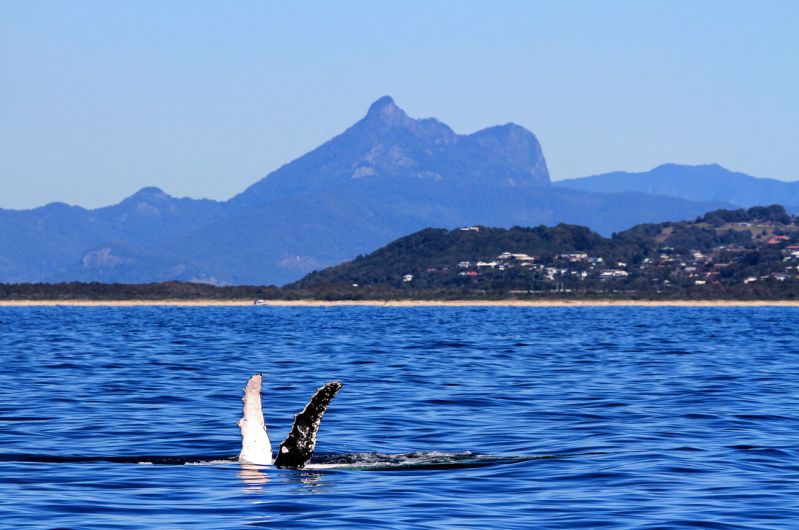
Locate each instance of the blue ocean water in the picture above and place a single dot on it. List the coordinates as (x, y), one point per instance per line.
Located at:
(615, 417)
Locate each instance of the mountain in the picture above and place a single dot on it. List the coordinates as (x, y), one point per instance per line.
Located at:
(387, 149)
(58, 242)
(709, 182)
(386, 176)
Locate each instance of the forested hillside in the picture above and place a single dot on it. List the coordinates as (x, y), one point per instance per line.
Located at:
(727, 252)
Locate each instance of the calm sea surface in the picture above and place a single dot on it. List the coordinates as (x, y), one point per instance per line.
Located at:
(477, 417)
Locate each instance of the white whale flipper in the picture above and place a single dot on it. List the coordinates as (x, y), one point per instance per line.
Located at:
(255, 445)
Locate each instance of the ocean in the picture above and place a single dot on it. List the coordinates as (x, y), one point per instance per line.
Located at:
(450, 417)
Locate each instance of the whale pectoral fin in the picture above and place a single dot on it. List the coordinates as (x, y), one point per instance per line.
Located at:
(255, 445)
(297, 448)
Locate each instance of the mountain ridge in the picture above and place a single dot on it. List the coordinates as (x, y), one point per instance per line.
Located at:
(385, 176)
(703, 182)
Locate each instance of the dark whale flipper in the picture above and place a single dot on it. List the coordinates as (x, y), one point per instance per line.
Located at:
(297, 448)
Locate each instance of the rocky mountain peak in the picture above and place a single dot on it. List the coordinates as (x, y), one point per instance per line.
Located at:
(385, 112)
(150, 193)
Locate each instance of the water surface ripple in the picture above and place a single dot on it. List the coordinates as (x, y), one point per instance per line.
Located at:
(613, 417)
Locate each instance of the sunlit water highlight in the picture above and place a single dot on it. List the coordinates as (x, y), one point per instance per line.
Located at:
(450, 417)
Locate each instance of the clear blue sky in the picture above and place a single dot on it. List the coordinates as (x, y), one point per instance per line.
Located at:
(98, 99)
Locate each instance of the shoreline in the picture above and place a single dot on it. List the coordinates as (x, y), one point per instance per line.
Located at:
(402, 303)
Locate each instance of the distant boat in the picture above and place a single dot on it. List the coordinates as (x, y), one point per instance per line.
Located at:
(260, 301)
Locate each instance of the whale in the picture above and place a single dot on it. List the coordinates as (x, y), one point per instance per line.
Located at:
(297, 449)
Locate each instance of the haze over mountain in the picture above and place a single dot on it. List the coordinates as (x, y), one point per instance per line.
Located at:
(709, 182)
(386, 176)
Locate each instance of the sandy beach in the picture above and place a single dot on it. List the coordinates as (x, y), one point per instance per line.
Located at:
(403, 303)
